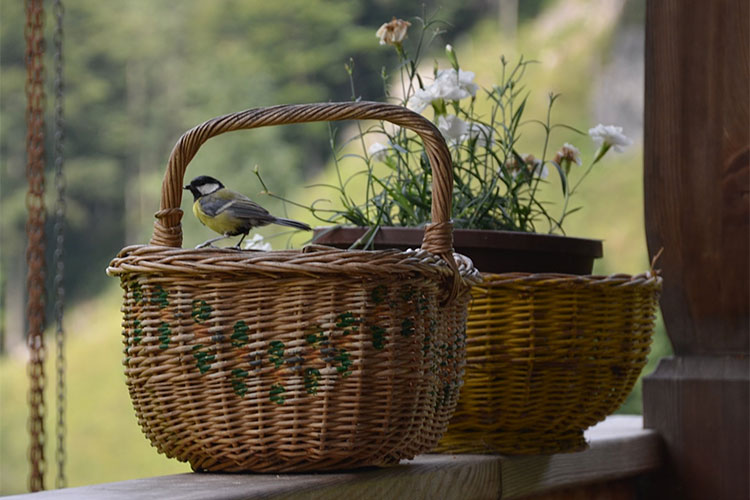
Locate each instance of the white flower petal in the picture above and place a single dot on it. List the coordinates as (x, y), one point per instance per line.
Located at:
(378, 151)
(482, 133)
(257, 243)
(611, 135)
(453, 85)
(421, 99)
(544, 173)
(452, 127)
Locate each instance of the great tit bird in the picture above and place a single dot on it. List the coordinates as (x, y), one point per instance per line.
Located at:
(229, 213)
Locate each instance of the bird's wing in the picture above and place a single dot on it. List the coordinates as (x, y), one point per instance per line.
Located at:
(212, 206)
(245, 209)
(241, 206)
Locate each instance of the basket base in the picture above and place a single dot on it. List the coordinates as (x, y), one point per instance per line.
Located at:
(321, 467)
(294, 466)
(525, 442)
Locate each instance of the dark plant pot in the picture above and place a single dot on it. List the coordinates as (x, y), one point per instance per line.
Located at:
(491, 251)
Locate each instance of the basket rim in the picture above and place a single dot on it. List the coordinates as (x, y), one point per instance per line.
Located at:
(648, 278)
(312, 260)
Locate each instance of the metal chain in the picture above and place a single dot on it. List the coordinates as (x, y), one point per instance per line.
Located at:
(59, 262)
(34, 36)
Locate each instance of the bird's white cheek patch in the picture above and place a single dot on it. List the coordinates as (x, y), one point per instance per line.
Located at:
(208, 188)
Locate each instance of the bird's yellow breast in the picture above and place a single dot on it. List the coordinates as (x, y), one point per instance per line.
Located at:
(222, 223)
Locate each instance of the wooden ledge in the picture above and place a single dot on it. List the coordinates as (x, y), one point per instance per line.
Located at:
(619, 448)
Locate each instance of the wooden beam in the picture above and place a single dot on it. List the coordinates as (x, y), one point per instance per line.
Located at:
(697, 169)
(619, 448)
(697, 206)
(700, 406)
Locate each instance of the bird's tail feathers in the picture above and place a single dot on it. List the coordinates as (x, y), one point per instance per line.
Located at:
(292, 223)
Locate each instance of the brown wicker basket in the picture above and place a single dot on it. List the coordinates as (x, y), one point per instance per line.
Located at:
(548, 356)
(316, 359)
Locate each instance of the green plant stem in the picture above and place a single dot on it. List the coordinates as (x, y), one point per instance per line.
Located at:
(600, 153)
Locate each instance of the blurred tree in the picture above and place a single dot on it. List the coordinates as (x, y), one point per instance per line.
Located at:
(139, 73)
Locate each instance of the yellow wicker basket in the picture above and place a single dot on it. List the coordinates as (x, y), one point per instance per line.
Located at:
(294, 360)
(548, 356)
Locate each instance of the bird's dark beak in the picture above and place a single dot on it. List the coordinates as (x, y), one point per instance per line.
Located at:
(185, 187)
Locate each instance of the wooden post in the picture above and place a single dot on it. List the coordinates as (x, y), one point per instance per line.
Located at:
(697, 171)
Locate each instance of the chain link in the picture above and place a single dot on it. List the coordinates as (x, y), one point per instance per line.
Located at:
(34, 36)
(59, 262)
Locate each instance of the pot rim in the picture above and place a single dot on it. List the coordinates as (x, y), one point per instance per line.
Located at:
(467, 238)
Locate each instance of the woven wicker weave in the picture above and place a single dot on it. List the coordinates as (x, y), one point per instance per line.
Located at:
(547, 357)
(294, 360)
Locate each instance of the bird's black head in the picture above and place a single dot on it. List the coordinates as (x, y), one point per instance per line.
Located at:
(203, 185)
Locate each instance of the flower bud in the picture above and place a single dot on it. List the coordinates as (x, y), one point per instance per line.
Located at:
(452, 57)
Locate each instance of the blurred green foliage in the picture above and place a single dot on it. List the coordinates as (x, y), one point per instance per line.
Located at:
(103, 438)
(140, 73)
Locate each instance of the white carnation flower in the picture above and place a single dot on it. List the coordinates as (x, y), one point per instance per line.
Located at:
(257, 243)
(453, 128)
(421, 99)
(481, 132)
(610, 135)
(378, 151)
(544, 172)
(449, 84)
(453, 85)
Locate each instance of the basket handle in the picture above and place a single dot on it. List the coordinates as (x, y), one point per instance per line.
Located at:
(438, 236)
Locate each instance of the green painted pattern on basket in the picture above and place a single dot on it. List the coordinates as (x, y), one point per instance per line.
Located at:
(238, 381)
(407, 327)
(137, 332)
(165, 333)
(276, 352)
(203, 358)
(201, 311)
(407, 294)
(447, 389)
(135, 289)
(240, 334)
(312, 375)
(160, 296)
(379, 293)
(344, 358)
(378, 336)
(316, 336)
(276, 394)
(347, 320)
